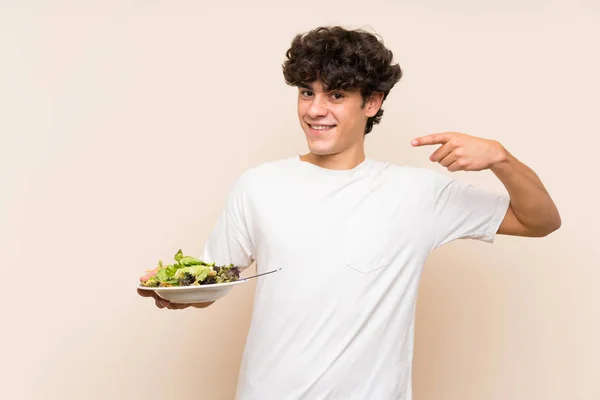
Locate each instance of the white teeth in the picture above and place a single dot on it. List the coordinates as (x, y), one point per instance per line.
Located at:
(321, 127)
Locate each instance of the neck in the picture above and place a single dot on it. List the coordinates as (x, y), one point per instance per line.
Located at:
(339, 161)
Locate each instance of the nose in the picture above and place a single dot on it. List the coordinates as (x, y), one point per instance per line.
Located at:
(317, 108)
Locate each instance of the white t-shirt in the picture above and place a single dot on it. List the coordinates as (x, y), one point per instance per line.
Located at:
(337, 322)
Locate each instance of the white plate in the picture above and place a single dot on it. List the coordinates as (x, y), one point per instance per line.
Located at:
(194, 294)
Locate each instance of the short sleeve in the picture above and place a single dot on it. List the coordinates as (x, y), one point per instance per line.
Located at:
(230, 242)
(463, 211)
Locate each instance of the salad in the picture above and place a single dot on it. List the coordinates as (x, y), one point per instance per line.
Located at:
(189, 271)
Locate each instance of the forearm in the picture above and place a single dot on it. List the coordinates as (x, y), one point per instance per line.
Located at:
(530, 201)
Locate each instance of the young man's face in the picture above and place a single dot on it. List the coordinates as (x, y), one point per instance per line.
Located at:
(334, 122)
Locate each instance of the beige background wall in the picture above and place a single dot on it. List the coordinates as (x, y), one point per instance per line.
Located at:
(124, 123)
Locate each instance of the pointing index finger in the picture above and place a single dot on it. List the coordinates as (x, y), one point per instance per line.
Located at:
(436, 138)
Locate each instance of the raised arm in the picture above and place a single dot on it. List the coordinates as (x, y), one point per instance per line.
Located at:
(532, 211)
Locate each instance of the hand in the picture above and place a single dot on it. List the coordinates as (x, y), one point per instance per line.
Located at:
(461, 152)
(162, 303)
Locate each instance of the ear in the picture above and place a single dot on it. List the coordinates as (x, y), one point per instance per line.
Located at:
(373, 104)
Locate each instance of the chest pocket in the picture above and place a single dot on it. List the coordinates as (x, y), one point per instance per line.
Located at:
(366, 244)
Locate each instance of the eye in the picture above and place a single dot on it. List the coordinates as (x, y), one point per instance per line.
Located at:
(337, 96)
(306, 93)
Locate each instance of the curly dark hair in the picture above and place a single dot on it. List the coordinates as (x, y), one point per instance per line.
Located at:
(342, 59)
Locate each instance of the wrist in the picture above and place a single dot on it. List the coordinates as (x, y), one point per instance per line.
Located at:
(502, 156)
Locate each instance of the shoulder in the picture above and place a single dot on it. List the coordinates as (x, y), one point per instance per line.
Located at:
(266, 173)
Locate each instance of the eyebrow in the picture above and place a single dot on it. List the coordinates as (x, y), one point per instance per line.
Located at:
(309, 87)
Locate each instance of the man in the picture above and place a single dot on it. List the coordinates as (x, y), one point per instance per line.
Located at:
(351, 234)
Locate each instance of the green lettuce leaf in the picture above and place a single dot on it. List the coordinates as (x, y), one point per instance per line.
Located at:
(166, 273)
(200, 272)
(189, 260)
(178, 255)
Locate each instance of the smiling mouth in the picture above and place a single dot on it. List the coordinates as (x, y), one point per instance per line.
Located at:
(321, 127)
